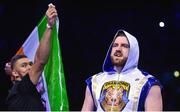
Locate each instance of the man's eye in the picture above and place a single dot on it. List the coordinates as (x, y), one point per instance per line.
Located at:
(30, 63)
(115, 45)
(24, 65)
(126, 45)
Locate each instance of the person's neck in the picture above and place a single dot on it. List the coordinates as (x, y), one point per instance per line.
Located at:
(118, 69)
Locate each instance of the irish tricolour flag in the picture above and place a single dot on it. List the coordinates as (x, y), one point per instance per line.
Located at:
(52, 83)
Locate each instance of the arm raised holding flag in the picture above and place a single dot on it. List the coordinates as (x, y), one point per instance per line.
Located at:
(24, 95)
(43, 50)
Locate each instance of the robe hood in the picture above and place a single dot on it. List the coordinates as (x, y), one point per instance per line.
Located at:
(133, 56)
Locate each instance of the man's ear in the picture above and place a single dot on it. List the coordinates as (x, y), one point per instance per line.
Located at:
(14, 73)
(15, 76)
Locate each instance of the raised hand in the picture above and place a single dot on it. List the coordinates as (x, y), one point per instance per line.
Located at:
(51, 14)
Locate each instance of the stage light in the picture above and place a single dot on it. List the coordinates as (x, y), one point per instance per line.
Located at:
(161, 24)
(176, 74)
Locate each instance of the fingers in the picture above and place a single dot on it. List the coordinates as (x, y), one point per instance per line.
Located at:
(7, 68)
(51, 12)
(51, 5)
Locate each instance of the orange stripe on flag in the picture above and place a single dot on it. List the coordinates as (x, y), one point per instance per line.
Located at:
(20, 51)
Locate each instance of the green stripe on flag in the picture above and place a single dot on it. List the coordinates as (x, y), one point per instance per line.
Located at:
(54, 72)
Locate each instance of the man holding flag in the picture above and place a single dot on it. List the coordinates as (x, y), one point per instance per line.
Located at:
(24, 95)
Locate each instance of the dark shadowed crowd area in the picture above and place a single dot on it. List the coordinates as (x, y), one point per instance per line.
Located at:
(86, 30)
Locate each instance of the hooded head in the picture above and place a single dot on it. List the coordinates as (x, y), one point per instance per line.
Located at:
(126, 56)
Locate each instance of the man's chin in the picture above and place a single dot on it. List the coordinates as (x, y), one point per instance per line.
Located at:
(22, 75)
(119, 63)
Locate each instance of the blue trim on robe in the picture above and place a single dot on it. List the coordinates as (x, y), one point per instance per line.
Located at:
(89, 84)
(145, 90)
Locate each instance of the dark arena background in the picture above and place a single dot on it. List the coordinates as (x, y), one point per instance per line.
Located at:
(87, 28)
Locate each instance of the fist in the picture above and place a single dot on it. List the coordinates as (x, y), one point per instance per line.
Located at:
(8, 69)
(51, 14)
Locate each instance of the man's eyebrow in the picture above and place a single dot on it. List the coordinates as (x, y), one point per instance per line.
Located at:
(31, 62)
(26, 62)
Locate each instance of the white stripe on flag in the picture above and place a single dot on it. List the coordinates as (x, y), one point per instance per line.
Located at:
(31, 44)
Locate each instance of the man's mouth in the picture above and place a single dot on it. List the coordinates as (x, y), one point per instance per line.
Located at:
(118, 54)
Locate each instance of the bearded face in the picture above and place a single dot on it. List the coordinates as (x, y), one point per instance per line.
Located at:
(120, 51)
(118, 62)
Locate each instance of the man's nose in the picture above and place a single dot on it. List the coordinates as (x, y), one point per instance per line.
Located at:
(120, 48)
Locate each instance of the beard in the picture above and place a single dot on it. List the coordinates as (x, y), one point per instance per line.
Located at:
(116, 61)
